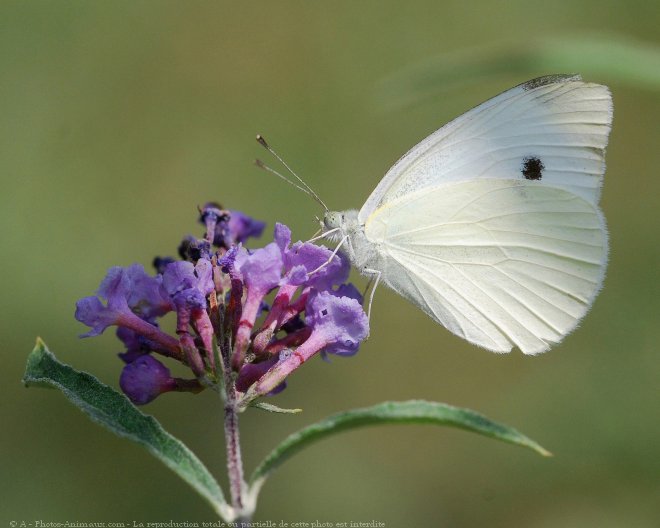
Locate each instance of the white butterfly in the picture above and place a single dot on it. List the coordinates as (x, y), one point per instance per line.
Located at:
(491, 225)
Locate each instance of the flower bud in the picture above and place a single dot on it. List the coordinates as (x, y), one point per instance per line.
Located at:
(145, 379)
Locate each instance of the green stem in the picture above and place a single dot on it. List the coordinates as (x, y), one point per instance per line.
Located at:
(237, 485)
(234, 460)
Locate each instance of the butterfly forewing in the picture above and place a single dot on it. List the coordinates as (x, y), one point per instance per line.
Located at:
(552, 129)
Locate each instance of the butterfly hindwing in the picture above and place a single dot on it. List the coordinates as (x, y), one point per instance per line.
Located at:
(499, 262)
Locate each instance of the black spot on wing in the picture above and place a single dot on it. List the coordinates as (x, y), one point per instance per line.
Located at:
(532, 168)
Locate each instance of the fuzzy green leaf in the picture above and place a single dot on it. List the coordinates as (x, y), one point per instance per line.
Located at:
(407, 412)
(114, 411)
(274, 408)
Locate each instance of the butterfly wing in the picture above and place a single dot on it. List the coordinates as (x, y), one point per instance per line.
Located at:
(499, 262)
(553, 128)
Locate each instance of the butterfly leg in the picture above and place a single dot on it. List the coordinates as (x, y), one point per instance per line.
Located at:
(322, 235)
(366, 288)
(316, 234)
(374, 275)
(341, 242)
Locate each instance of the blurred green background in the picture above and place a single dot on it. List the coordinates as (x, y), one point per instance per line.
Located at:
(119, 118)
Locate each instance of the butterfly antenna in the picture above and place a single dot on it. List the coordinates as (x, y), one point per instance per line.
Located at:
(311, 192)
(265, 167)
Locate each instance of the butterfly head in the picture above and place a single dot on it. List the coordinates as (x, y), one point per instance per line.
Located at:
(333, 220)
(339, 224)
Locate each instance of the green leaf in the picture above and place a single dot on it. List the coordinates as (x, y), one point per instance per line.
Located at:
(114, 411)
(598, 57)
(274, 408)
(407, 412)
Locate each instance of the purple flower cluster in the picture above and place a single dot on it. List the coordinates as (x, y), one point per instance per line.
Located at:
(225, 327)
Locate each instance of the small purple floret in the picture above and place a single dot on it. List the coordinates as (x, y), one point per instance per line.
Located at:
(184, 275)
(128, 291)
(339, 320)
(308, 257)
(237, 229)
(92, 312)
(147, 296)
(115, 288)
(262, 269)
(145, 379)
